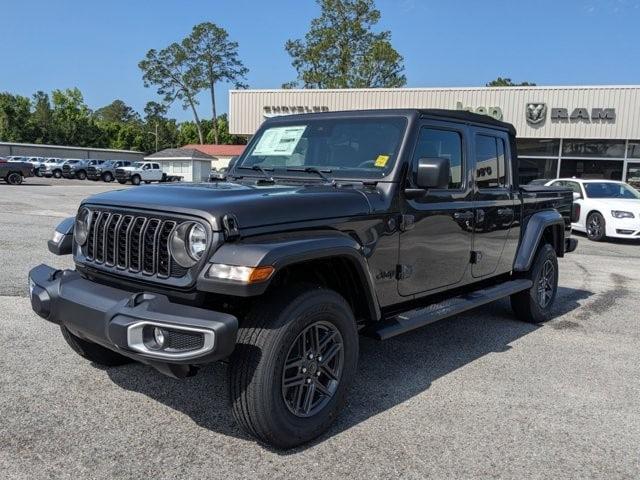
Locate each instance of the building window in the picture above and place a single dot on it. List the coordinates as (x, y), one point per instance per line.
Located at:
(538, 147)
(593, 148)
(634, 149)
(536, 168)
(592, 169)
(633, 174)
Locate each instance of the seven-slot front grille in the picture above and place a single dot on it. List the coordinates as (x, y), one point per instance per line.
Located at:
(132, 242)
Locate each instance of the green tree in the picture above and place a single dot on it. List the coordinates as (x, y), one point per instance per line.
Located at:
(118, 112)
(169, 70)
(213, 58)
(41, 120)
(73, 122)
(506, 82)
(15, 112)
(223, 135)
(341, 50)
(156, 122)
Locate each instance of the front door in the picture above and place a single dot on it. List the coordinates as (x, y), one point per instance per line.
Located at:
(435, 245)
(494, 202)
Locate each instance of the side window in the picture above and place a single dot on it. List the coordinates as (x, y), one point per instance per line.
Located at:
(437, 143)
(575, 187)
(156, 166)
(125, 164)
(146, 166)
(491, 164)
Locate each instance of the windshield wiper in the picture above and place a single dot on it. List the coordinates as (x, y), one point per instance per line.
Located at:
(258, 168)
(317, 171)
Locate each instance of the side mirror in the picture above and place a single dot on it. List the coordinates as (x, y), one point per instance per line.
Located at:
(433, 173)
(576, 196)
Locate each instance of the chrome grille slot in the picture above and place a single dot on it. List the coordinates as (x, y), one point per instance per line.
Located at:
(110, 239)
(135, 242)
(99, 235)
(122, 240)
(132, 243)
(149, 239)
(164, 258)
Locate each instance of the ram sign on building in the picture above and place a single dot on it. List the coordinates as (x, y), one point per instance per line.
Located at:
(586, 132)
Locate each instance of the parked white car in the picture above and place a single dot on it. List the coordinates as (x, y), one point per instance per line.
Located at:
(140, 172)
(604, 208)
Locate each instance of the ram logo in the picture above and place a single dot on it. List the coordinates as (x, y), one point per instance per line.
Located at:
(536, 113)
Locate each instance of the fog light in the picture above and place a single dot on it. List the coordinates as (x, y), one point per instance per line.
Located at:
(158, 337)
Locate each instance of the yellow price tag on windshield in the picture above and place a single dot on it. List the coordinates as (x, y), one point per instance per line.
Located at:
(381, 161)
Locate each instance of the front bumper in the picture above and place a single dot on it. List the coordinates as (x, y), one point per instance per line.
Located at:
(623, 228)
(114, 318)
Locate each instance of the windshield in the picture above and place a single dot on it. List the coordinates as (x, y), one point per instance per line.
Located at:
(108, 163)
(610, 190)
(352, 147)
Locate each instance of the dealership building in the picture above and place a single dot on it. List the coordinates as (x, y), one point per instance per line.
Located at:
(585, 132)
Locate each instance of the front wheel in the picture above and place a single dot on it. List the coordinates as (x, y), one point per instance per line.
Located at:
(107, 177)
(81, 175)
(294, 361)
(596, 227)
(92, 351)
(14, 178)
(135, 180)
(122, 182)
(534, 305)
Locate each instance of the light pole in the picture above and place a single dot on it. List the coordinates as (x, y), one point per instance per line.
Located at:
(156, 135)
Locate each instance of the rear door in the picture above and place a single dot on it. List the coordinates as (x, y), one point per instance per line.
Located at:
(435, 243)
(494, 201)
(157, 171)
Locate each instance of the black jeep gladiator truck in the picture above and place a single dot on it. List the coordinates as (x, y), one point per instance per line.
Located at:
(14, 172)
(330, 225)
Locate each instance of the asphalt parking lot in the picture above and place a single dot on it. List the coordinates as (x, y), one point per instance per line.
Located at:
(477, 396)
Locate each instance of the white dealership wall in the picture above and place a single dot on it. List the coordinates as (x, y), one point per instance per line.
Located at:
(249, 108)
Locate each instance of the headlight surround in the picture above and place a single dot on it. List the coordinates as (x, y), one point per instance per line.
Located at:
(81, 226)
(622, 214)
(188, 243)
(196, 241)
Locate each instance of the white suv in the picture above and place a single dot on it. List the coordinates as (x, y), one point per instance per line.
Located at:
(146, 172)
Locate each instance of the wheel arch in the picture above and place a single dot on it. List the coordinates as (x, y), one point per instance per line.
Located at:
(332, 261)
(542, 227)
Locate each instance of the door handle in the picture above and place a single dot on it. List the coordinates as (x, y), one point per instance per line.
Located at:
(463, 215)
(505, 212)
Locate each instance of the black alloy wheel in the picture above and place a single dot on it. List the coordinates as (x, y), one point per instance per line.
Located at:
(546, 283)
(312, 369)
(595, 227)
(14, 178)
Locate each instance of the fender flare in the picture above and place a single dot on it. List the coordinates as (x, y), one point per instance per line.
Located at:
(281, 253)
(532, 235)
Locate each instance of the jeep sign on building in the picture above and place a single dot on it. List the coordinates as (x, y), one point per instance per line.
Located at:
(586, 132)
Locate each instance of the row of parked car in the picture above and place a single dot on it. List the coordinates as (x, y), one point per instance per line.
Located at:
(122, 171)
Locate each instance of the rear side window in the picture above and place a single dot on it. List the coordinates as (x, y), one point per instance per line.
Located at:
(438, 143)
(491, 168)
(156, 166)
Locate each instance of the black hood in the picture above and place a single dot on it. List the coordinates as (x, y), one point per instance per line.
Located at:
(253, 205)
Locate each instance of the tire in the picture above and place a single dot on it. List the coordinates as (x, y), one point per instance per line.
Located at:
(596, 227)
(92, 351)
(535, 305)
(39, 173)
(107, 177)
(135, 180)
(147, 182)
(81, 175)
(274, 332)
(57, 174)
(14, 178)
(122, 182)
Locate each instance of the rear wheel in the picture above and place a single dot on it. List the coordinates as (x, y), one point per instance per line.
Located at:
(534, 305)
(147, 182)
(135, 180)
(14, 178)
(293, 364)
(92, 351)
(107, 177)
(596, 227)
(122, 182)
(81, 175)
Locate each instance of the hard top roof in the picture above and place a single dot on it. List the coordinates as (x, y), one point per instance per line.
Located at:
(438, 113)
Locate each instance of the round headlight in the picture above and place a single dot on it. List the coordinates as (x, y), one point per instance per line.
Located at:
(196, 241)
(81, 227)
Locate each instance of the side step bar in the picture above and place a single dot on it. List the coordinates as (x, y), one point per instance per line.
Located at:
(420, 317)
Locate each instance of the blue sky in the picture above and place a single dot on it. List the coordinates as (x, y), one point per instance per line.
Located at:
(96, 46)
